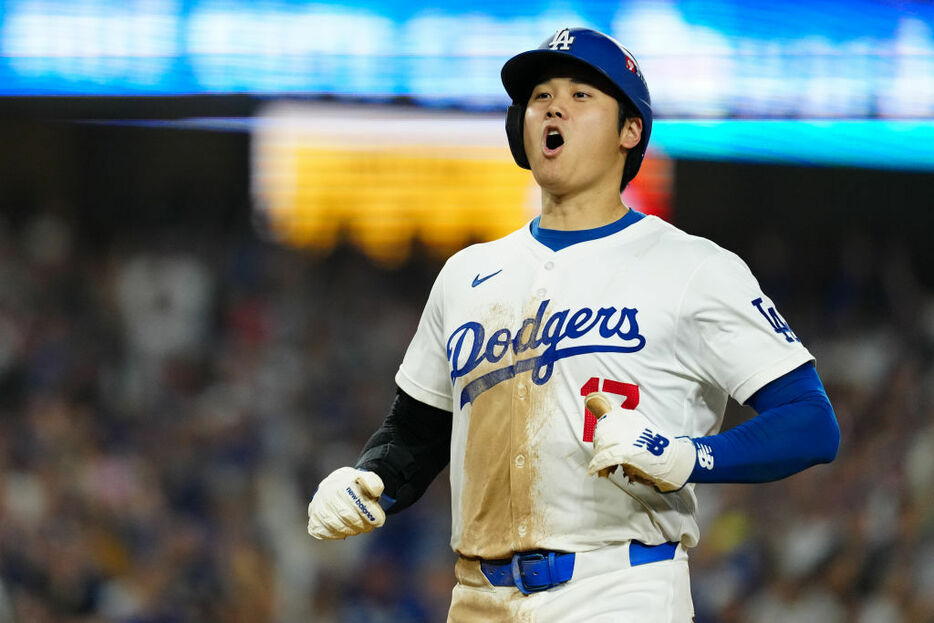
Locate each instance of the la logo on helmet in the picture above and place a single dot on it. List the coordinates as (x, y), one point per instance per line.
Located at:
(562, 40)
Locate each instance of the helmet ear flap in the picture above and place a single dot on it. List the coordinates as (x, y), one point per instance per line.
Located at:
(514, 117)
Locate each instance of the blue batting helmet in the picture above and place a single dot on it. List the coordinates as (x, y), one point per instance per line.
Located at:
(592, 49)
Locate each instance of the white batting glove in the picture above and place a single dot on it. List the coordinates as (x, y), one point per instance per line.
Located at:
(346, 503)
(646, 454)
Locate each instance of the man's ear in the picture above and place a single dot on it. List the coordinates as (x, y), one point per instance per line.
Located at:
(631, 133)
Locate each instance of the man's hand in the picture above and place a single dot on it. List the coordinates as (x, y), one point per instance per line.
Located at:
(646, 454)
(346, 503)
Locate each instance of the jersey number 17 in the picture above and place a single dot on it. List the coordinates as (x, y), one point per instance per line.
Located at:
(628, 391)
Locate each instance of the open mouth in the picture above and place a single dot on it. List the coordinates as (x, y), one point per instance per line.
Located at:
(553, 140)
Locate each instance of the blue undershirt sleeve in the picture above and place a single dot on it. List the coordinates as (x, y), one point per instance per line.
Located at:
(795, 428)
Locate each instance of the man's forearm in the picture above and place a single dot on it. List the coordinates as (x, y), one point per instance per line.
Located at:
(408, 451)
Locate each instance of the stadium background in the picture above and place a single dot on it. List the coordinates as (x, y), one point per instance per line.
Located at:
(219, 222)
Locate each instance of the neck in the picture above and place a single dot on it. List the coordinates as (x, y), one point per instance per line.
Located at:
(586, 209)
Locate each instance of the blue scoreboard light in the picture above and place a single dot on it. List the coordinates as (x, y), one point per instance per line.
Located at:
(717, 60)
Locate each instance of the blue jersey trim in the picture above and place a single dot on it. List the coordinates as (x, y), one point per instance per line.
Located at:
(795, 429)
(557, 239)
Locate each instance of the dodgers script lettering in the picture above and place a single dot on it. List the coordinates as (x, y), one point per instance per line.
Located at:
(468, 346)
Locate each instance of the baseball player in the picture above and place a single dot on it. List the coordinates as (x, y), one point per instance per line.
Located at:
(591, 310)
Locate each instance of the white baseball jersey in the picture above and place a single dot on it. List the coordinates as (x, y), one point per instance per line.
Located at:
(514, 335)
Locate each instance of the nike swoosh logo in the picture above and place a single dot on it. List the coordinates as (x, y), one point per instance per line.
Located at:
(477, 280)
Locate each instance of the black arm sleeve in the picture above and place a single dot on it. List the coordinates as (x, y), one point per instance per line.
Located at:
(411, 447)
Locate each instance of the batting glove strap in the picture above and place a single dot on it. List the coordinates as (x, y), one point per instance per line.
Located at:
(646, 453)
(346, 503)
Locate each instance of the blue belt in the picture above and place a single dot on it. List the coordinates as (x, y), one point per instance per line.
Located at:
(536, 571)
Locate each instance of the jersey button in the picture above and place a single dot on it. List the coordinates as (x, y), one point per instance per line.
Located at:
(522, 529)
(522, 391)
(520, 460)
(549, 265)
(541, 292)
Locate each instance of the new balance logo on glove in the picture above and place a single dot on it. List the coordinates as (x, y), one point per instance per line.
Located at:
(631, 440)
(652, 442)
(363, 509)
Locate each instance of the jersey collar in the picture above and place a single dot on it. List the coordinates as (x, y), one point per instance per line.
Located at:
(557, 239)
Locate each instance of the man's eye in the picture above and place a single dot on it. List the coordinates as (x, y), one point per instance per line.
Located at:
(581, 94)
(541, 96)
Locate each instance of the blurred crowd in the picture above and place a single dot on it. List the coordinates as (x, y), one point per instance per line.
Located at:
(169, 400)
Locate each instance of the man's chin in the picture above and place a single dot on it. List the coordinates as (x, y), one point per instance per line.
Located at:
(554, 183)
(550, 175)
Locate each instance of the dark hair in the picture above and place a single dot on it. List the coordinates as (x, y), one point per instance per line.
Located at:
(626, 111)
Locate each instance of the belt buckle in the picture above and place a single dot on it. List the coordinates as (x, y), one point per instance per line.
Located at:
(517, 563)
